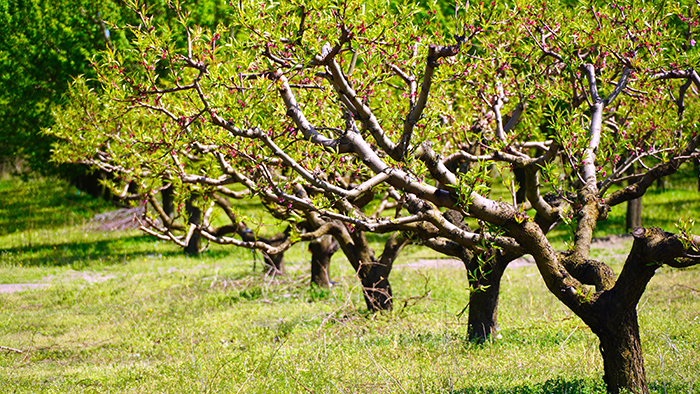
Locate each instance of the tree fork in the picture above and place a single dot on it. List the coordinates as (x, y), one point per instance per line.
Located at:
(375, 276)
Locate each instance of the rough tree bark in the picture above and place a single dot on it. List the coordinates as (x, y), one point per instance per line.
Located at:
(612, 312)
(485, 282)
(376, 287)
(623, 361)
(374, 275)
(613, 317)
(322, 250)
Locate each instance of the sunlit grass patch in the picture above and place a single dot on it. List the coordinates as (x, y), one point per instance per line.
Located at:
(155, 320)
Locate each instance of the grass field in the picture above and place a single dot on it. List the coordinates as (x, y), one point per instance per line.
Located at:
(123, 312)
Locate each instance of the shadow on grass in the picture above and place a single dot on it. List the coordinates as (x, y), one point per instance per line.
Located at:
(552, 386)
(111, 251)
(569, 386)
(43, 204)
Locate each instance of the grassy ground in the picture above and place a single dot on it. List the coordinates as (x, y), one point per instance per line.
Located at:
(126, 313)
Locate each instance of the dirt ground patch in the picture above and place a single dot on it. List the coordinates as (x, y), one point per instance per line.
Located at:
(616, 246)
(87, 276)
(118, 220)
(15, 287)
(612, 241)
(47, 281)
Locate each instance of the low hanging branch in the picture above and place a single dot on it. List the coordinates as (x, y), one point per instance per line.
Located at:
(272, 116)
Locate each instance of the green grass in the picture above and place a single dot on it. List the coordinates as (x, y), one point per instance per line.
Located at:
(168, 323)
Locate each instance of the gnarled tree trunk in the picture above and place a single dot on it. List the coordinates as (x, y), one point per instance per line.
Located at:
(376, 287)
(274, 263)
(615, 314)
(375, 275)
(612, 313)
(484, 279)
(623, 360)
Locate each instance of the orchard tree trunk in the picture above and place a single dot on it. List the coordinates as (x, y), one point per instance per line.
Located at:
(92, 183)
(484, 278)
(633, 218)
(611, 309)
(373, 273)
(612, 314)
(274, 263)
(485, 283)
(322, 250)
(483, 314)
(376, 287)
(520, 184)
(618, 331)
(194, 217)
(623, 360)
(168, 201)
(375, 276)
